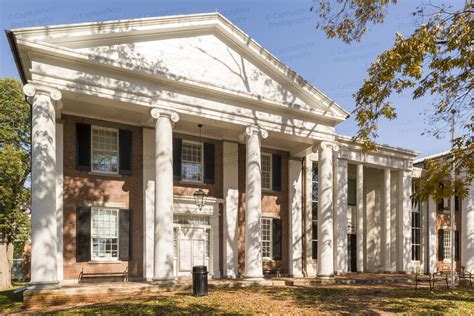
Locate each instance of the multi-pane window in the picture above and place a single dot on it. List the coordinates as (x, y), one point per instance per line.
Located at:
(104, 233)
(266, 237)
(190, 219)
(266, 171)
(447, 244)
(104, 149)
(314, 213)
(191, 161)
(415, 228)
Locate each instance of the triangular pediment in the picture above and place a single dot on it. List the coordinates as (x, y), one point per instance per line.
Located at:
(206, 49)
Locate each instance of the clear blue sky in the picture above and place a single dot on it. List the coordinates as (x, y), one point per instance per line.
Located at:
(285, 28)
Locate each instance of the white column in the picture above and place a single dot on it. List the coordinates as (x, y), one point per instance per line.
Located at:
(360, 218)
(388, 217)
(325, 210)
(432, 257)
(163, 255)
(341, 217)
(231, 208)
(404, 225)
(467, 239)
(216, 272)
(310, 263)
(148, 202)
(59, 199)
(253, 213)
(44, 229)
(295, 176)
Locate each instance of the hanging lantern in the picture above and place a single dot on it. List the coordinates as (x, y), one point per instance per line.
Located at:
(200, 198)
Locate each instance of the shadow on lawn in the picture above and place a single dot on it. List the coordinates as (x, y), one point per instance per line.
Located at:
(374, 298)
(9, 301)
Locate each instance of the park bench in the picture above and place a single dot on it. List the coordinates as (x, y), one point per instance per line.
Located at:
(431, 278)
(84, 275)
(462, 274)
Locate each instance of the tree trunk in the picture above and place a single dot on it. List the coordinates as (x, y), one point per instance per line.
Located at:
(6, 265)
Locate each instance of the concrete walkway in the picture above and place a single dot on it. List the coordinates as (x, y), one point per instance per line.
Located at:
(88, 293)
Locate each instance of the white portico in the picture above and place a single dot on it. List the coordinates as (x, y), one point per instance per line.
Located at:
(165, 76)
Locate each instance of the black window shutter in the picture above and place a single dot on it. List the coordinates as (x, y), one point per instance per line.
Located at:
(276, 238)
(83, 147)
(125, 151)
(209, 152)
(83, 234)
(456, 245)
(456, 203)
(177, 142)
(351, 192)
(441, 244)
(125, 235)
(276, 172)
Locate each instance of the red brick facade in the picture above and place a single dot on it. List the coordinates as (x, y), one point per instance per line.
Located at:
(82, 187)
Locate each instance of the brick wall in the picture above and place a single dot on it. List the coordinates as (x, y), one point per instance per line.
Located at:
(82, 186)
(275, 203)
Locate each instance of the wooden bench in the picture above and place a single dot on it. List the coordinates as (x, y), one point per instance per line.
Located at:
(462, 274)
(431, 279)
(276, 272)
(83, 275)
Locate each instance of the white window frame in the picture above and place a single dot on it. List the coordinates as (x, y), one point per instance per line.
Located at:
(103, 259)
(416, 209)
(201, 162)
(447, 246)
(271, 170)
(270, 238)
(94, 127)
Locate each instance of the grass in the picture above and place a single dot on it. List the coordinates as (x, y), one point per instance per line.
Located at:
(347, 299)
(9, 301)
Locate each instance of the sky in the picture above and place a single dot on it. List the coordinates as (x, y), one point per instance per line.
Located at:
(285, 28)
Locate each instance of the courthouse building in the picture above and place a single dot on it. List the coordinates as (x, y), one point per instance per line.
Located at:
(131, 118)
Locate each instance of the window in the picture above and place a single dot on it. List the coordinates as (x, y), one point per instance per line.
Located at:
(104, 233)
(175, 242)
(266, 171)
(447, 244)
(314, 213)
(415, 228)
(104, 150)
(267, 238)
(351, 192)
(191, 161)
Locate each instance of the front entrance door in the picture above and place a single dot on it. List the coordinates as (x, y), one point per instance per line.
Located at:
(352, 252)
(191, 249)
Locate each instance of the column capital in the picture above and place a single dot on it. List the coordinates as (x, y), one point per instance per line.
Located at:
(253, 130)
(326, 145)
(30, 90)
(156, 113)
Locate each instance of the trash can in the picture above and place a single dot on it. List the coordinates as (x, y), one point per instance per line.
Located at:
(200, 281)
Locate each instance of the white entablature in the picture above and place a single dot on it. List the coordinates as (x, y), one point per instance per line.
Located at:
(196, 64)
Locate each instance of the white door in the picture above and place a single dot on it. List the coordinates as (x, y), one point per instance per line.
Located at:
(192, 249)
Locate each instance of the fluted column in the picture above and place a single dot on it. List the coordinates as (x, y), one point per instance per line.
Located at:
(325, 210)
(163, 241)
(388, 218)
(360, 218)
(467, 240)
(253, 213)
(341, 221)
(44, 267)
(404, 223)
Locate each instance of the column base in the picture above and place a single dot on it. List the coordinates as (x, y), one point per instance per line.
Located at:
(253, 278)
(43, 285)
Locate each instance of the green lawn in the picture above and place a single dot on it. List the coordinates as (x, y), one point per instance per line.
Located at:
(400, 299)
(9, 301)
